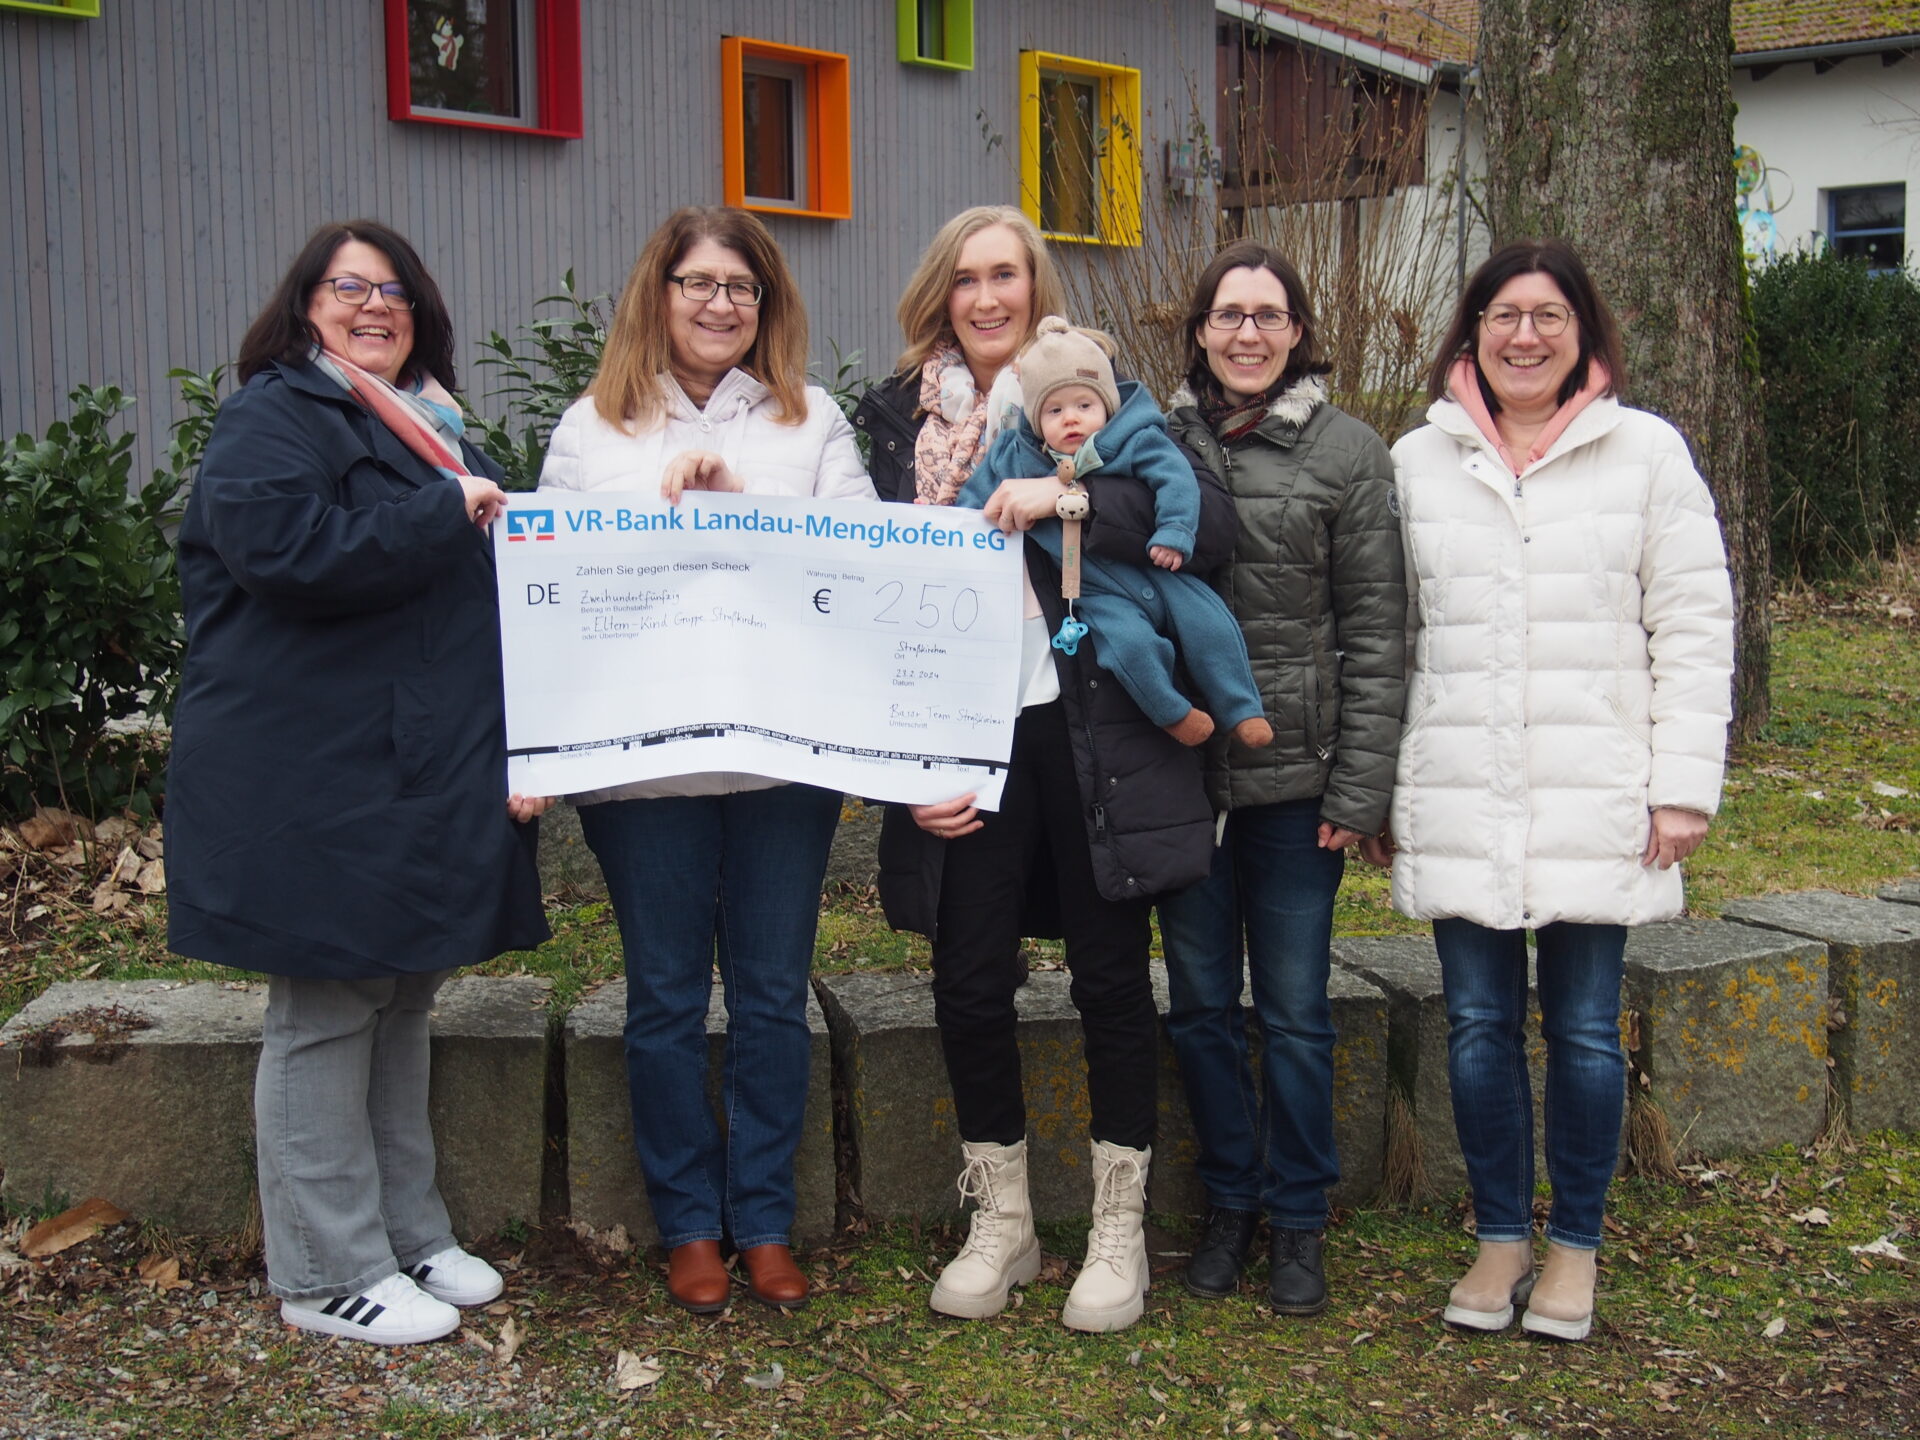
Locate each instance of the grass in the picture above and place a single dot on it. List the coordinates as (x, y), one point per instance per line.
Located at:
(1726, 1310)
(1807, 807)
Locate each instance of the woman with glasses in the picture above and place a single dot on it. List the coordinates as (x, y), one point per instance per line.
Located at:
(337, 814)
(1566, 728)
(703, 385)
(1317, 585)
(1102, 809)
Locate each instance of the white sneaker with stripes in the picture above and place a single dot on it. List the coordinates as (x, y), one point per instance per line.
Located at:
(393, 1311)
(456, 1277)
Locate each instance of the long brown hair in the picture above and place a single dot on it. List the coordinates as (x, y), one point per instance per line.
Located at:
(1560, 263)
(280, 333)
(1303, 359)
(626, 389)
(925, 307)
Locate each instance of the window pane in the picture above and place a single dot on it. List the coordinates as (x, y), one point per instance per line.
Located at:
(769, 101)
(1069, 163)
(933, 29)
(465, 55)
(1871, 207)
(1881, 252)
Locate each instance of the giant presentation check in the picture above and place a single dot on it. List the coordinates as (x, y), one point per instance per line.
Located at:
(868, 648)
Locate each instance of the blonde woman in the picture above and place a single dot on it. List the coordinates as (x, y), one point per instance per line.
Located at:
(1102, 809)
(703, 386)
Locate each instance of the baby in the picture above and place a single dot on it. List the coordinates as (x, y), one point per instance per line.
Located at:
(1075, 419)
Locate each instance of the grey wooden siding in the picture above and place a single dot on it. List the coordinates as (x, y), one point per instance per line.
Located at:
(160, 165)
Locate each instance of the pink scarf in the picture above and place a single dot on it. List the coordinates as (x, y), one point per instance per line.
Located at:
(1463, 384)
(961, 423)
(409, 417)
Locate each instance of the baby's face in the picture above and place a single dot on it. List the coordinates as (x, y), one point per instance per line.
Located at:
(1069, 415)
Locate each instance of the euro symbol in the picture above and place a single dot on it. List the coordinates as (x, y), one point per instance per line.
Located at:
(822, 601)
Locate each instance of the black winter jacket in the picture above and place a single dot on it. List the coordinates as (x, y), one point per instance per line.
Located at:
(336, 800)
(1148, 825)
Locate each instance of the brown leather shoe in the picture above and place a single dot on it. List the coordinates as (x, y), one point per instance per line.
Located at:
(696, 1280)
(773, 1278)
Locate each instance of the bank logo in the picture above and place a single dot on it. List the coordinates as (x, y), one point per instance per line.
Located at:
(529, 525)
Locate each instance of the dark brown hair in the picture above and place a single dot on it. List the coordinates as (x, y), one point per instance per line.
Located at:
(626, 389)
(281, 331)
(1252, 255)
(1560, 263)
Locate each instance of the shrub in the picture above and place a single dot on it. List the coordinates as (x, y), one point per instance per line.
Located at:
(90, 634)
(1842, 410)
(546, 370)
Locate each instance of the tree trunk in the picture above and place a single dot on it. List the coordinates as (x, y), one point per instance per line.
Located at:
(1610, 124)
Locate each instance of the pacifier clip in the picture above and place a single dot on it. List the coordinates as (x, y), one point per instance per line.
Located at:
(1072, 508)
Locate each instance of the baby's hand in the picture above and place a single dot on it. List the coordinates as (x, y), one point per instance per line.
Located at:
(1165, 556)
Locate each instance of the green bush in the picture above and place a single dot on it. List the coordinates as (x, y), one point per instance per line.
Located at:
(546, 370)
(90, 628)
(1838, 353)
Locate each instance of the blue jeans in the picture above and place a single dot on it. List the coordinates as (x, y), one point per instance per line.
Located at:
(1270, 1148)
(695, 880)
(1579, 969)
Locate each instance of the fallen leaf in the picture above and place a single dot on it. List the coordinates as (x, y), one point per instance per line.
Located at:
(162, 1272)
(771, 1380)
(1884, 1247)
(509, 1346)
(630, 1372)
(1812, 1215)
(1892, 792)
(70, 1227)
(1776, 1327)
(152, 879)
(49, 829)
(125, 867)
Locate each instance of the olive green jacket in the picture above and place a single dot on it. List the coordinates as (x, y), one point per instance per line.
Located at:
(1318, 581)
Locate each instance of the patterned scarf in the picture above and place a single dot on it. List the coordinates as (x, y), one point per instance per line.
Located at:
(961, 423)
(1229, 419)
(427, 423)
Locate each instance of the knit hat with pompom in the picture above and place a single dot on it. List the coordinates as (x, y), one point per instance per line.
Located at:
(1060, 355)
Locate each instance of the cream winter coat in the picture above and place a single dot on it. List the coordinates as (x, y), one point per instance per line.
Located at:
(1572, 642)
(816, 458)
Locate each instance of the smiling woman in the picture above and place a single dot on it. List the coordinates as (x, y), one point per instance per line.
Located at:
(703, 386)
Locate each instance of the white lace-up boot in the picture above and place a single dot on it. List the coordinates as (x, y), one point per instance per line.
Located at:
(1108, 1295)
(1001, 1250)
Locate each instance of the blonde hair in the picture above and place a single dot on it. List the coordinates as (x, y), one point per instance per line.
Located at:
(925, 319)
(626, 390)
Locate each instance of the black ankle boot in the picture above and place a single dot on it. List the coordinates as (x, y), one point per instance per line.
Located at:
(1220, 1255)
(1297, 1284)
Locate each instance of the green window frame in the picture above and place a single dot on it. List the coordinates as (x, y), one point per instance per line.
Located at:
(936, 33)
(66, 9)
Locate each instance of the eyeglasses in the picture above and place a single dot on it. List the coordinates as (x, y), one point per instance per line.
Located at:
(1262, 319)
(704, 287)
(352, 290)
(1548, 320)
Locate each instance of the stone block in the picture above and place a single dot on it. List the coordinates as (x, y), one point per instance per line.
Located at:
(1904, 892)
(488, 1098)
(854, 861)
(1359, 1098)
(603, 1175)
(1732, 1030)
(160, 1121)
(1873, 989)
(567, 866)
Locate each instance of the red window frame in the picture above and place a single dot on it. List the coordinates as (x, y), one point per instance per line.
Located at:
(556, 65)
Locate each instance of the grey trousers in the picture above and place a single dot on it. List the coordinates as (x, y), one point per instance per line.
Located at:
(347, 1191)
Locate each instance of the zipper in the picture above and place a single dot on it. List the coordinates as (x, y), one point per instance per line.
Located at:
(1099, 820)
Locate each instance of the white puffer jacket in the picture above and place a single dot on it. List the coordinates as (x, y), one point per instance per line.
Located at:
(816, 458)
(1572, 644)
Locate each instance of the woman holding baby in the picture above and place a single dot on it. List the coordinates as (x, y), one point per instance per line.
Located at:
(1102, 810)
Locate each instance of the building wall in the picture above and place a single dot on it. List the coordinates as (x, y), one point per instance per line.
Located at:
(1858, 124)
(160, 165)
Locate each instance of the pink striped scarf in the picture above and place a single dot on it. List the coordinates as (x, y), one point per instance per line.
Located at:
(413, 421)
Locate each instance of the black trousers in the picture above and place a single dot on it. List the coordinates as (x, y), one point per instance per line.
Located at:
(976, 967)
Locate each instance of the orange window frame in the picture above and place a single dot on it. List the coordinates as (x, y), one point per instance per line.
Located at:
(828, 121)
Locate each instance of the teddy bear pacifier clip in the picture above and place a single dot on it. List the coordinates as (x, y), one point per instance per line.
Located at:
(1072, 508)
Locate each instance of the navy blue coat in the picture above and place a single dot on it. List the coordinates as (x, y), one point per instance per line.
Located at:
(336, 801)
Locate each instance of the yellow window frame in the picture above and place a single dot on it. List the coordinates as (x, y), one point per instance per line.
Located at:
(1117, 149)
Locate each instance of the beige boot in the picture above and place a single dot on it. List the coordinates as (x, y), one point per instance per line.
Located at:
(1107, 1294)
(1500, 1278)
(1001, 1249)
(1562, 1303)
